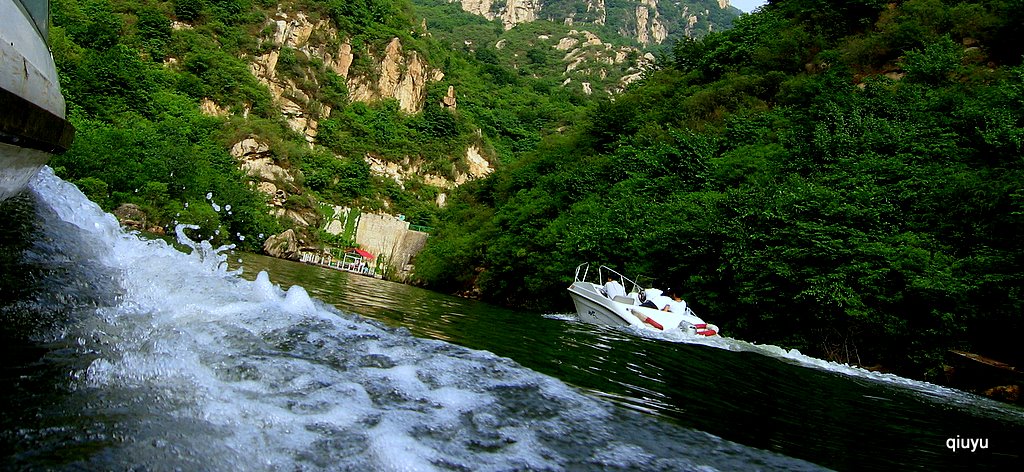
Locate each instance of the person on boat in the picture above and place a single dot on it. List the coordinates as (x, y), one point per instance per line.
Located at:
(661, 302)
(676, 305)
(613, 288)
(653, 298)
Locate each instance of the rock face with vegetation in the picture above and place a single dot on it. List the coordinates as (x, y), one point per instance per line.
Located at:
(645, 21)
(291, 34)
(400, 77)
(276, 108)
(591, 46)
(299, 53)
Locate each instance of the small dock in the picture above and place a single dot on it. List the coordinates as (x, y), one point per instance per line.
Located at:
(353, 262)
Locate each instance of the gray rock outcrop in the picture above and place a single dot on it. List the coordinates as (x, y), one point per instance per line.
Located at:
(284, 245)
(647, 21)
(402, 76)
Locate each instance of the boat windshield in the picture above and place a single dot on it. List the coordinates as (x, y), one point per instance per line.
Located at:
(39, 12)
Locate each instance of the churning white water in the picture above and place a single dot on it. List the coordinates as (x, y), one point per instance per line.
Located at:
(178, 363)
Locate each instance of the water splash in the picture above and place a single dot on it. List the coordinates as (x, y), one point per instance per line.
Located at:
(215, 258)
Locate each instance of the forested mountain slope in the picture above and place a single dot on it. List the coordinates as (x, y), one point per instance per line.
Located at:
(282, 110)
(648, 22)
(591, 46)
(845, 178)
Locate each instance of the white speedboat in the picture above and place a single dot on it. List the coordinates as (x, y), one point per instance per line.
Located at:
(594, 306)
(32, 122)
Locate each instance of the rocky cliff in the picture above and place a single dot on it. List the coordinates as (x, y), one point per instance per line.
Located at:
(396, 73)
(645, 21)
(297, 53)
(408, 169)
(588, 59)
(255, 158)
(402, 76)
(509, 12)
(292, 32)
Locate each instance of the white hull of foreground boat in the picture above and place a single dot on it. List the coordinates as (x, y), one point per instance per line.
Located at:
(17, 167)
(592, 306)
(32, 120)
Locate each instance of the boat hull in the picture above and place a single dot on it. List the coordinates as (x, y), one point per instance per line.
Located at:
(593, 307)
(17, 167)
(33, 125)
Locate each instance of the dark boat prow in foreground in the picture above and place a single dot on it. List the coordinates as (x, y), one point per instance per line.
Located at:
(33, 125)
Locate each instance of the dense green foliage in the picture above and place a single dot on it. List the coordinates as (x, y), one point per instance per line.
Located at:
(140, 136)
(845, 178)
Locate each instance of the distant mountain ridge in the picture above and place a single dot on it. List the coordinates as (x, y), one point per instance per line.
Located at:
(589, 46)
(648, 22)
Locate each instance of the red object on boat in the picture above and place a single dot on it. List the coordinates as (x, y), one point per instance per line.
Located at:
(648, 320)
(708, 332)
(651, 322)
(700, 325)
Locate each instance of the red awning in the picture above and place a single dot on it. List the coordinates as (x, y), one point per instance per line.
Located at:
(364, 254)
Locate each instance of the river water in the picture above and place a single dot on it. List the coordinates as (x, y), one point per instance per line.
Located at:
(121, 353)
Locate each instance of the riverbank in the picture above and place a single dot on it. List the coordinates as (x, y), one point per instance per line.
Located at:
(984, 376)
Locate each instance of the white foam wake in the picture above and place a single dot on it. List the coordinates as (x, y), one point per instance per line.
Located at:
(931, 391)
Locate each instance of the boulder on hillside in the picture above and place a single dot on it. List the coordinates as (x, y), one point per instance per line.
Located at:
(449, 102)
(131, 216)
(284, 245)
(250, 148)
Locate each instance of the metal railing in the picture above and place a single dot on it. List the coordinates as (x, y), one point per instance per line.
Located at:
(601, 275)
(633, 285)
